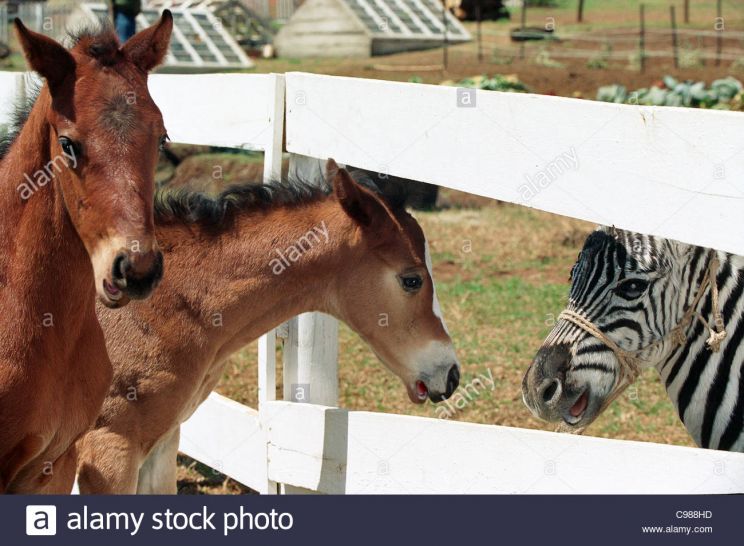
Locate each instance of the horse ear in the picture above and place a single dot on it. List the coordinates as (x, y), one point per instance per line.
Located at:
(360, 204)
(148, 48)
(45, 56)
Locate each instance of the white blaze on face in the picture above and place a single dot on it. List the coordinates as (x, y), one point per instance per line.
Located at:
(436, 308)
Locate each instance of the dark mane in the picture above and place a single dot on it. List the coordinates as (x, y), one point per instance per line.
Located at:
(218, 213)
(630, 250)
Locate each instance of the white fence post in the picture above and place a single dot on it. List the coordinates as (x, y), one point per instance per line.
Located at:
(266, 393)
(310, 355)
(267, 343)
(311, 360)
(272, 170)
(311, 348)
(273, 153)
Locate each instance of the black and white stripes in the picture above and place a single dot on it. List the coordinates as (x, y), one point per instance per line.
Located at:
(636, 289)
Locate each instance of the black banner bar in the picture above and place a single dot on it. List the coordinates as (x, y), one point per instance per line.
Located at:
(360, 520)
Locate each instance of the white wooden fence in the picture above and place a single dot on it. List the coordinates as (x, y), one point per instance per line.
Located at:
(670, 172)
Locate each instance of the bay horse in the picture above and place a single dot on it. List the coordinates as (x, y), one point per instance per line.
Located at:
(347, 252)
(76, 220)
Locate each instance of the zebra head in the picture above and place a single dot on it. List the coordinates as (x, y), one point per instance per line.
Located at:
(630, 289)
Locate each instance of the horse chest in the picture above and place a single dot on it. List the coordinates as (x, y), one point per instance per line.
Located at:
(54, 398)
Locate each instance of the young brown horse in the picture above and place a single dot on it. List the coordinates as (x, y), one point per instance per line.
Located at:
(76, 218)
(349, 254)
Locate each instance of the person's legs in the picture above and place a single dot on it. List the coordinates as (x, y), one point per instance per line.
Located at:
(125, 26)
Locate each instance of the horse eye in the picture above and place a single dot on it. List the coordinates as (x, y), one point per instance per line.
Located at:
(411, 283)
(163, 140)
(68, 146)
(632, 288)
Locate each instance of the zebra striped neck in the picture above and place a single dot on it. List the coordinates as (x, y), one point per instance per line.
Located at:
(706, 387)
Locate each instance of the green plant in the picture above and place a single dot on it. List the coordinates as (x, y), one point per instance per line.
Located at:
(689, 57)
(634, 61)
(723, 93)
(737, 65)
(596, 63)
(602, 59)
(497, 82)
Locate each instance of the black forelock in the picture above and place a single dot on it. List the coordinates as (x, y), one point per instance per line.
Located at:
(99, 41)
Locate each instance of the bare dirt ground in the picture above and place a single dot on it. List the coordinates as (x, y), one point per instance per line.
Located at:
(572, 79)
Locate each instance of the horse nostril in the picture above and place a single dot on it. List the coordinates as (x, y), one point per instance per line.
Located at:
(550, 391)
(120, 267)
(453, 380)
(138, 274)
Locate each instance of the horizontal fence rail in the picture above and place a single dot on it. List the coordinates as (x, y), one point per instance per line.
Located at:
(666, 171)
(227, 436)
(230, 110)
(671, 172)
(333, 450)
(11, 88)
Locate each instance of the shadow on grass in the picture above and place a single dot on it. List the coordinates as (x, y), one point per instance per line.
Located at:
(195, 478)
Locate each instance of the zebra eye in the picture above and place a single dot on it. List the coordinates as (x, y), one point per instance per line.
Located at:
(631, 288)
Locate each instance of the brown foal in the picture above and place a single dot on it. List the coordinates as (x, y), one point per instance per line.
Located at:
(238, 266)
(76, 219)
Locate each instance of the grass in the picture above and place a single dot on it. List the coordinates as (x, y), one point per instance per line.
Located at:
(502, 277)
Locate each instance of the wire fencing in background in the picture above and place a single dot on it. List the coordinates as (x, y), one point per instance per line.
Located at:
(650, 38)
(685, 47)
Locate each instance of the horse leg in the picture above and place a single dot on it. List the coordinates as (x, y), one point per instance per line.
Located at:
(108, 463)
(157, 474)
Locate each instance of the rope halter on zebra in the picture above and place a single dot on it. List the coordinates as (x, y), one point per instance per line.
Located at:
(631, 362)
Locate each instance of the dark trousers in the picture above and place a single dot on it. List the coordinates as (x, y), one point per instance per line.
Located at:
(125, 26)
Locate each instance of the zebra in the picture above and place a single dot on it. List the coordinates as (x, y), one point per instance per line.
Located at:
(638, 301)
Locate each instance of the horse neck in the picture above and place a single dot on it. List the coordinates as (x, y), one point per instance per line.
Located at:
(250, 279)
(42, 259)
(701, 382)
